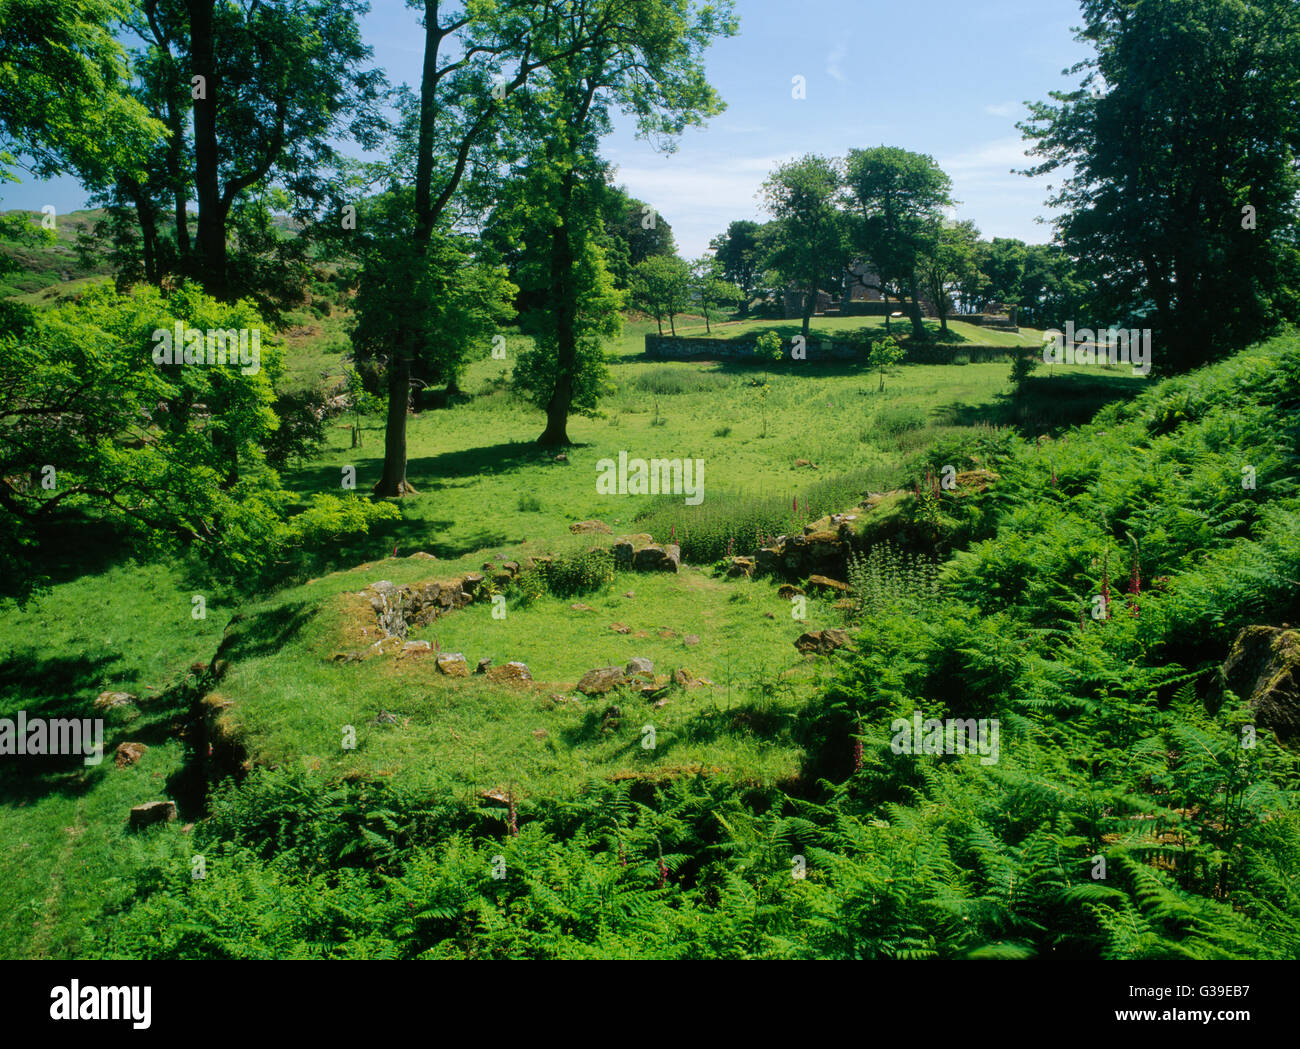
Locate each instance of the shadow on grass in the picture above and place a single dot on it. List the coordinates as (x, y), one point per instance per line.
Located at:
(75, 544)
(265, 633)
(60, 687)
(1049, 404)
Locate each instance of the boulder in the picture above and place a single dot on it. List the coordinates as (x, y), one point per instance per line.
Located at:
(152, 812)
(1264, 669)
(483, 665)
(512, 671)
(412, 647)
(821, 582)
(128, 754)
(453, 664)
(590, 528)
(822, 642)
(110, 700)
(624, 555)
(656, 558)
(472, 583)
(788, 592)
(602, 680)
(639, 665)
(740, 567)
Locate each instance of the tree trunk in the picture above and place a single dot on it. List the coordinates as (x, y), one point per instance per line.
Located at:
(211, 228)
(393, 481)
(918, 328)
(144, 213)
(177, 175)
(809, 305)
(566, 336)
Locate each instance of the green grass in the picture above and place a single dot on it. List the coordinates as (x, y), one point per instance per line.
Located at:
(125, 628)
(486, 492)
(465, 736)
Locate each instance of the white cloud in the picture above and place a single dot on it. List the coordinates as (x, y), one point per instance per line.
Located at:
(700, 197)
(833, 60)
(991, 161)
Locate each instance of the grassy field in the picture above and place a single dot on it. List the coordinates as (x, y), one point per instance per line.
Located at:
(487, 492)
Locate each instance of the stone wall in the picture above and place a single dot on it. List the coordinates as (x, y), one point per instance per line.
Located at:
(681, 348)
(667, 347)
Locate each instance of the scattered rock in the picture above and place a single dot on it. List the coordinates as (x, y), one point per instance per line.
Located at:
(630, 594)
(416, 646)
(512, 671)
(128, 754)
(683, 678)
(823, 642)
(740, 567)
(1264, 668)
(385, 718)
(453, 664)
(691, 640)
(483, 665)
(804, 463)
(656, 558)
(540, 733)
(110, 700)
(421, 555)
(152, 812)
(472, 583)
(977, 480)
(667, 634)
(821, 582)
(581, 608)
(789, 592)
(602, 680)
(561, 458)
(590, 527)
(639, 665)
(619, 628)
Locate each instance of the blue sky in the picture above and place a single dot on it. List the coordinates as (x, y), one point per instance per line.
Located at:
(943, 77)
